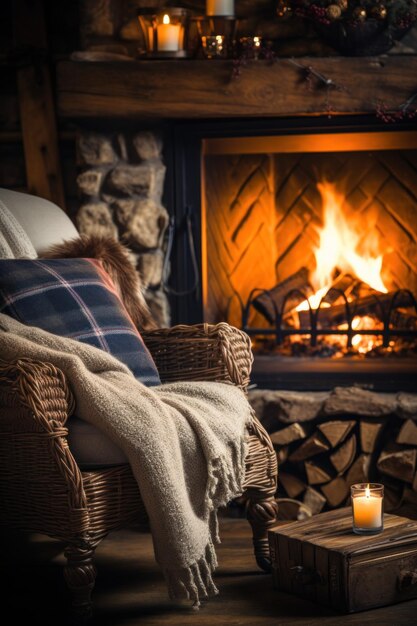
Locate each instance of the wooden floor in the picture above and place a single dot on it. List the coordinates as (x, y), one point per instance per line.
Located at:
(130, 589)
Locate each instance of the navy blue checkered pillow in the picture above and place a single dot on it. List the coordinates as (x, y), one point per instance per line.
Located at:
(75, 298)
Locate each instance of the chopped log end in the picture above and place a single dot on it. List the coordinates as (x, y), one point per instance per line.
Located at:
(359, 471)
(314, 445)
(400, 464)
(290, 509)
(336, 491)
(288, 435)
(408, 433)
(336, 431)
(316, 475)
(314, 500)
(292, 485)
(370, 431)
(343, 458)
(282, 455)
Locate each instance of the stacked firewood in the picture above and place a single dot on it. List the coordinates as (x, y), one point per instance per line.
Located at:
(318, 463)
(398, 463)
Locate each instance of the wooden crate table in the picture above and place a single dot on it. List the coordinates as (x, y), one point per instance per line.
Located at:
(323, 560)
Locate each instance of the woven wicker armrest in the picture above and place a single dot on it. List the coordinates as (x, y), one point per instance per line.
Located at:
(210, 352)
(41, 393)
(36, 465)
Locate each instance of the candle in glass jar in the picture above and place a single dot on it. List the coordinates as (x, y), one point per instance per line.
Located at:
(168, 36)
(367, 503)
(220, 7)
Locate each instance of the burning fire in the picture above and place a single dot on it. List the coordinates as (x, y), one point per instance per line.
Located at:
(343, 248)
(338, 249)
(339, 245)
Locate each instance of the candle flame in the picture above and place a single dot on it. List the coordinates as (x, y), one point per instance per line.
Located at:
(368, 492)
(166, 19)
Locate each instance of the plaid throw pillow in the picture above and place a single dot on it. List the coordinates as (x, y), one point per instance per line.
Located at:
(75, 298)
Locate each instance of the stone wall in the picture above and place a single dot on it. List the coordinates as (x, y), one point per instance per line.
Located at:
(120, 181)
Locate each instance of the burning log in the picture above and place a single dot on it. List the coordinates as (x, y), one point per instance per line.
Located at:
(374, 305)
(272, 300)
(344, 283)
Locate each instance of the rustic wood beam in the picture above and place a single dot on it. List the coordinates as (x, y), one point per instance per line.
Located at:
(193, 89)
(36, 104)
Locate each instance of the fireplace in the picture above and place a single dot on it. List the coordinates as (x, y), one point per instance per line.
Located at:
(305, 237)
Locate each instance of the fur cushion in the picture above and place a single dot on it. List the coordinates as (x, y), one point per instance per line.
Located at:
(118, 263)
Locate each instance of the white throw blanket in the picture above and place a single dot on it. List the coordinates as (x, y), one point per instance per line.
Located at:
(14, 242)
(185, 443)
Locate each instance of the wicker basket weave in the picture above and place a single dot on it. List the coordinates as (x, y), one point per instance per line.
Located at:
(42, 489)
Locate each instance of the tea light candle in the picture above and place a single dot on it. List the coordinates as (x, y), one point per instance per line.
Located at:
(168, 36)
(367, 501)
(220, 7)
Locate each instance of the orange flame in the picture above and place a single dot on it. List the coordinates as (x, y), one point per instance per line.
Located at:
(339, 248)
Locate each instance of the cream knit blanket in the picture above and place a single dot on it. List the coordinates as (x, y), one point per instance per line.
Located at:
(14, 242)
(185, 443)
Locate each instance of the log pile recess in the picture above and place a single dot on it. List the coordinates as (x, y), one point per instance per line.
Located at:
(318, 462)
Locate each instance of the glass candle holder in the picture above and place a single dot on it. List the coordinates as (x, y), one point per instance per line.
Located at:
(250, 47)
(214, 46)
(166, 33)
(217, 35)
(367, 508)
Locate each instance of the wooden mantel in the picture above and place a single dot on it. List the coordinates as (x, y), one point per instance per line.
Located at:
(205, 89)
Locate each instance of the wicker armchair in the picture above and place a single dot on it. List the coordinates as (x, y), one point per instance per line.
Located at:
(43, 490)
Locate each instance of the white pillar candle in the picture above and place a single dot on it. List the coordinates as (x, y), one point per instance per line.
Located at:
(168, 36)
(367, 511)
(220, 7)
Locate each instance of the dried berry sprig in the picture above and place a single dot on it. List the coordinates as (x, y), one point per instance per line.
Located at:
(405, 111)
(246, 54)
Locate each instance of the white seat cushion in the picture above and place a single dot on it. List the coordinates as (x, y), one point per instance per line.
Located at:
(43, 221)
(90, 447)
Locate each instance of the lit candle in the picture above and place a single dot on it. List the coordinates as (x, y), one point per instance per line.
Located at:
(168, 36)
(220, 7)
(367, 503)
